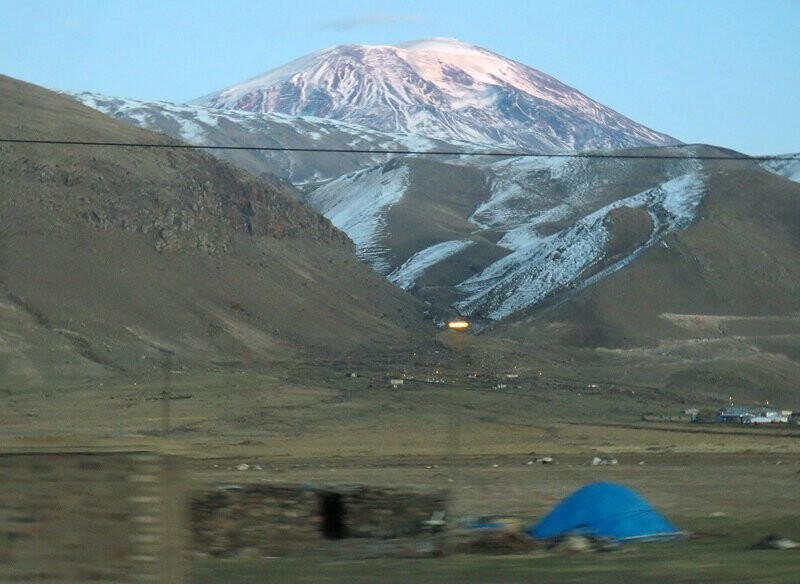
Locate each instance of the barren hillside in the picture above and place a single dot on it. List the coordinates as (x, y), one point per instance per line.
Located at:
(112, 257)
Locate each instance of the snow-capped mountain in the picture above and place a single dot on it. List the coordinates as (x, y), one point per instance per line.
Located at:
(495, 239)
(442, 89)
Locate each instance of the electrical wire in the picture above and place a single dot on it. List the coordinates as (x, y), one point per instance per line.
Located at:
(509, 154)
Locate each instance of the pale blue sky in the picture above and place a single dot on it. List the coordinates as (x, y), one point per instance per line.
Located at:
(724, 72)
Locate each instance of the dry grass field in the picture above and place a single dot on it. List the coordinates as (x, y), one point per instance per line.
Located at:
(728, 486)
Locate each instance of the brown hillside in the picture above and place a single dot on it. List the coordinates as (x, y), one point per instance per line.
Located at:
(741, 258)
(717, 306)
(112, 255)
(440, 199)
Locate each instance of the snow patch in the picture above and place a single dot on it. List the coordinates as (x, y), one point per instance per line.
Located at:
(357, 204)
(788, 167)
(513, 204)
(190, 131)
(406, 275)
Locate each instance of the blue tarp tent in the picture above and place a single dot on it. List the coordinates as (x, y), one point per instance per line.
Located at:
(608, 510)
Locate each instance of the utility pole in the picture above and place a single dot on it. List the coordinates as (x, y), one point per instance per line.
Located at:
(459, 327)
(166, 396)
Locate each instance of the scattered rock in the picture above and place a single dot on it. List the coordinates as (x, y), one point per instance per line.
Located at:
(581, 544)
(493, 542)
(775, 542)
(541, 460)
(571, 544)
(603, 460)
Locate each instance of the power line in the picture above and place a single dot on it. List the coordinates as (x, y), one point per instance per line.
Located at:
(599, 155)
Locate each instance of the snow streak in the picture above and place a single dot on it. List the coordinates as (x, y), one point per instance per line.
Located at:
(357, 204)
(545, 265)
(787, 168)
(416, 265)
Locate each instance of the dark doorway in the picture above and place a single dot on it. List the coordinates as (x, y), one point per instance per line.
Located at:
(332, 511)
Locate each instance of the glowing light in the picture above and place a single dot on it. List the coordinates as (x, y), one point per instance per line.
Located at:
(458, 324)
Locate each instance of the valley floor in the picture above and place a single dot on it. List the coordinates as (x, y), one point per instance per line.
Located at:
(448, 429)
(725, 502)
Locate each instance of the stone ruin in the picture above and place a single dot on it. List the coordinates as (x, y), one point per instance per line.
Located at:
(267, 519)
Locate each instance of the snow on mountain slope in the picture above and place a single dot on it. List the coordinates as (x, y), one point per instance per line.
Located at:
(789, 167)
(210, 126)
(529, 193)
(439, 88)
(514, 204)
(191, 120)
(412, 269)
(544, 265)
(357, 204)
(544, 227)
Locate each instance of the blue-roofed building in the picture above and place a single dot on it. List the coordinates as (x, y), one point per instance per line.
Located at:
(733, 414)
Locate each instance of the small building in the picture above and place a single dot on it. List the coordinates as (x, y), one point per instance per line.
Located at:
(732, 414)
(395, 383)
(753, 420)
(773, 415)
(770, 416)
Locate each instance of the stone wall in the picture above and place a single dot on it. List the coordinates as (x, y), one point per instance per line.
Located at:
(385, 513)
(257, 518)
(89, 516)
(265, 519)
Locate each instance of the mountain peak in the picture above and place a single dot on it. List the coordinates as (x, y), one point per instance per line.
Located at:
(439, 88)
(438, 44)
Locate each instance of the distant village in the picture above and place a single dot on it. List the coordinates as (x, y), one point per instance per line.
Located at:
(754, 416)
(760, 415)
(730, 414)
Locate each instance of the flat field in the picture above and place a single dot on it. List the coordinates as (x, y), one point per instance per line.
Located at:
(447, 428)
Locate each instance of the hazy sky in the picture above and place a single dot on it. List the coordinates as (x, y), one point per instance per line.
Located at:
(723, 72)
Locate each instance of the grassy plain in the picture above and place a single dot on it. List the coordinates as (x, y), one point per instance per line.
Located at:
(728, 486)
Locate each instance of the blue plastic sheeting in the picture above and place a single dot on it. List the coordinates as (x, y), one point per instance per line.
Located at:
(607, 510)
